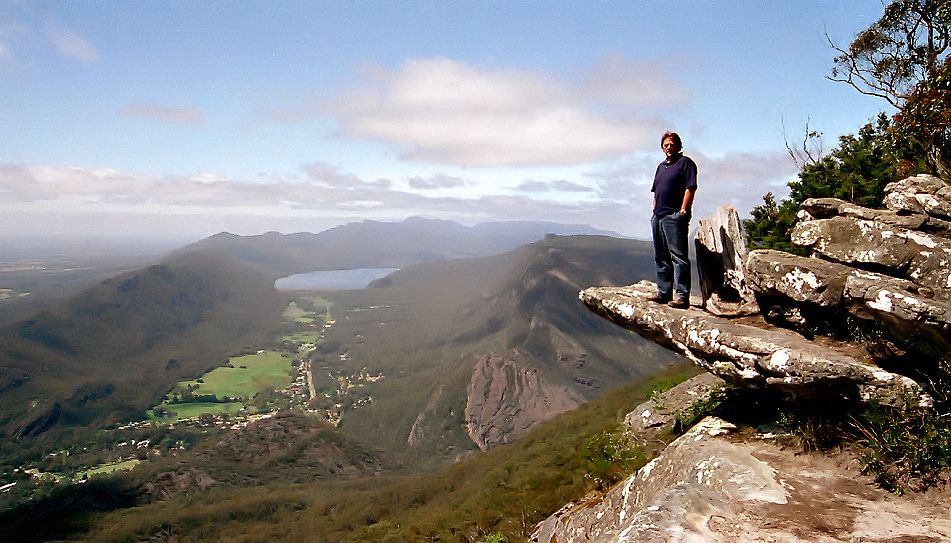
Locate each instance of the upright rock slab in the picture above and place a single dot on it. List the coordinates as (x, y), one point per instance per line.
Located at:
(721, 256)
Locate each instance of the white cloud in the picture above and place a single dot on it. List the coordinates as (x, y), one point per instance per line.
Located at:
(175, 115)
(330, 175)
(47, 199)
(741, 180)
(445, 111)
(737, 179)
(73, 45)
(325, 195)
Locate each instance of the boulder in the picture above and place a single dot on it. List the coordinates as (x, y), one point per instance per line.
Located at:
(925, 194)
(721, 255)
(876, 246)
(755, 356)
(658, 416)
(710, 486)
(781, 275)
(918, 318)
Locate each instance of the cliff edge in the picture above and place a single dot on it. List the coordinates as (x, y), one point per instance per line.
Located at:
(865, 320)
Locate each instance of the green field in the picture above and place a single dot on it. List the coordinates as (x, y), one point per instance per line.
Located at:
(246, 376)
(295, 313)
(249, 375)
(123, 465)
(301, 337)
(194, 409)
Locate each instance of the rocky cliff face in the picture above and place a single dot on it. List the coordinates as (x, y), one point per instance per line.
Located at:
(505, 399)
(866, 318)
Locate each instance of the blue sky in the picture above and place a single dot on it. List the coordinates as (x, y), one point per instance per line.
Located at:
(183, 119)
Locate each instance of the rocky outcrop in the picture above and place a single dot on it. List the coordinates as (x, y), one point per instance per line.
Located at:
(910, 241)
(877, 246)
(920, 194)
(888, 268)
(865, 318)
(911, 313)
(748, 355)
(709, 486)
(505, 399)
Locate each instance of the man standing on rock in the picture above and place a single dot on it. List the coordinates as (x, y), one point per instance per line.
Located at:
(675, 183)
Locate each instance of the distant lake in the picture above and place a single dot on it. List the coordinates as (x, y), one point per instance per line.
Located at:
(333, 279)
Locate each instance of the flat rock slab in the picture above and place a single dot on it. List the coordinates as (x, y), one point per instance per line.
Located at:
(711, 486)
(750, 356)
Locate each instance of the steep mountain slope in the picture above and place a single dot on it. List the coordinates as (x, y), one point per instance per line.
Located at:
(474, 352)
(110, 352)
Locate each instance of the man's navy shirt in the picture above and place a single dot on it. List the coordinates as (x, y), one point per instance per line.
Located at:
(671, 181)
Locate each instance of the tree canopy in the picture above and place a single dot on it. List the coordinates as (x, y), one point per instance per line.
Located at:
(857, 171)
(905, 46)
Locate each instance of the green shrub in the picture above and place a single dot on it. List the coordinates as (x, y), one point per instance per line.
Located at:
(609, 457)
(906, 448)
(687, 417)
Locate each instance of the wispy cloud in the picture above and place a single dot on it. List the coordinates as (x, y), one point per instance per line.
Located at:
(174, 115)
(446, 111)
(439, 181)
(72, 44)
(560, 185)
(331, 176)
(622, 82)
(617, 199)
(11, 33)
(101, 198)
(741, 179)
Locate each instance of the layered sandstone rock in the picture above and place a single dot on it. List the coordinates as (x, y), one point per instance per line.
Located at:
(721, 255)
(748, 355)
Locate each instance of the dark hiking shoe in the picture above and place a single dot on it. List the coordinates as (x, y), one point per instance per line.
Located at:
(679, 303)
(657, 299)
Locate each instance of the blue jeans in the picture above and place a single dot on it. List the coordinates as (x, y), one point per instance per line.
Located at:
(671, 256)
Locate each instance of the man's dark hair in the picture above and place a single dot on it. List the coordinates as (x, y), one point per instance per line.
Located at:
(674, 136)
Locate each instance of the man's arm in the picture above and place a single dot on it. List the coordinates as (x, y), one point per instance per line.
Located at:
(688, 200)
